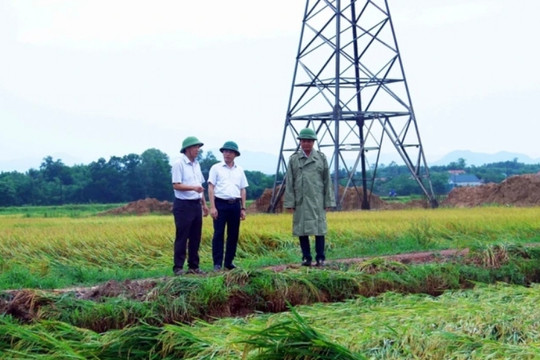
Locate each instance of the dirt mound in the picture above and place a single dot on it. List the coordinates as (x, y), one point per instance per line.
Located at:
(519, 190)
(352, 201)
(263, 202)
(140, 207)
(131, 289)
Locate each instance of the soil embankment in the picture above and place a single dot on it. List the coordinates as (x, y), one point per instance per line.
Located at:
(519, 190)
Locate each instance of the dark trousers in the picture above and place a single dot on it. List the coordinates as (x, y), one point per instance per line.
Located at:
(228, 216)
(319, 248)
(188, 222)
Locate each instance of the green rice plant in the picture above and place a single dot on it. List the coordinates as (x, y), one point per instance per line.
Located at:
(293, 339)
(422, 232)
(210, 297)
(491, 255)
(172, 300)
(269, 291)
(48, 339)
(178, 342)
(429, 279)
(107, 315)
(264, 290)
(333, 285)
(133, 342)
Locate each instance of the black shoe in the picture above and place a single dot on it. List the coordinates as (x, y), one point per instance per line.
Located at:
(217, 267)
(230, 266)
(320, 263)
(306, 263)
(178, 272)
(195, 271)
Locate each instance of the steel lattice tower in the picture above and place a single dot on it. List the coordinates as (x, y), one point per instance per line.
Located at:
(349, 87)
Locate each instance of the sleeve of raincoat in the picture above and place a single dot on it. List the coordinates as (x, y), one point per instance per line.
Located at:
(329, 198)
(290, 197)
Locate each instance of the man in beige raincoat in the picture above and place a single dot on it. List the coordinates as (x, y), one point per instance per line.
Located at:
(308, 192)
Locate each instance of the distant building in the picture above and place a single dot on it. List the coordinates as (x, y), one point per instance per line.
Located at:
(456, 172)
(457, 180)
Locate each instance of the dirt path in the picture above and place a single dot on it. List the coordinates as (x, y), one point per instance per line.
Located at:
(407, 258)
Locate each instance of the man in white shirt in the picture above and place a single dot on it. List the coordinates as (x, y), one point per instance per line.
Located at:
(227, 194)
(189, 207)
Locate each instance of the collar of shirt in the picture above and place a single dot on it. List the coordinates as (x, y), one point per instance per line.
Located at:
(187, 161)
(224, 164)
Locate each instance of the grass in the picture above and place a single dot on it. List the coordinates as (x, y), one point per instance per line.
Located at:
(73, 210)
(294, 339)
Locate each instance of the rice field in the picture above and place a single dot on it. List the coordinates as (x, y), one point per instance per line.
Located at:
(496, 321)
(51, 252)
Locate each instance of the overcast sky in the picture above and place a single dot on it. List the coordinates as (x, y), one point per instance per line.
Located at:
(84, 79)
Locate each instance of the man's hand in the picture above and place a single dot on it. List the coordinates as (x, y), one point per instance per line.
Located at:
(198, 189)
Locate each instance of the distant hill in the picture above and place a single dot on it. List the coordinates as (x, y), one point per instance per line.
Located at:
(479, 159)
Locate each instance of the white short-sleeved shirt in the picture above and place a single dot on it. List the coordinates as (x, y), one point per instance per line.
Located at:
(189, 173)
(227, 181)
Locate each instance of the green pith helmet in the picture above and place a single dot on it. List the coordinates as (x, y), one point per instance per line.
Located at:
(230, 145)
(307, 134)
(190, 141)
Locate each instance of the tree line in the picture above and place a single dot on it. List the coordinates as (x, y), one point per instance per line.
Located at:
(119, 180)
(148, 175)
(397, 178)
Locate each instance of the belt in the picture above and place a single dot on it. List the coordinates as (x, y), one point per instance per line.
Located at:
(190, 200)
(228, 201)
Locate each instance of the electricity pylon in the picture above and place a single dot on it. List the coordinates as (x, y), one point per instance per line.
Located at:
(349, 87)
